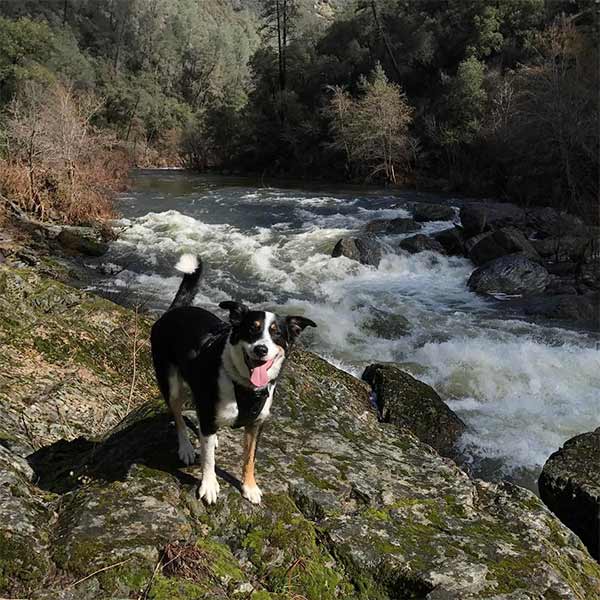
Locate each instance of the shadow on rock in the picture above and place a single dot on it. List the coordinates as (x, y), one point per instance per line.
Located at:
(146, 436)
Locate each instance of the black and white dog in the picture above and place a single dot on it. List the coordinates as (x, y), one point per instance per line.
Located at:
(230, 368)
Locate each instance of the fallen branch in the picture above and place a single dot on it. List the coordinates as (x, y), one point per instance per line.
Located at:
(99, 571)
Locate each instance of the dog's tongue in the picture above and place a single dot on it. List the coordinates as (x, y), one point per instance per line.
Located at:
(258, 375)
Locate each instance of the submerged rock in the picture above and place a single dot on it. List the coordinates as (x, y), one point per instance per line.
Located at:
(570, 486)
(433, 212)
(421, 243)
(392, 226)
(365, 250)
(483, 216)
(352, 508)
(571, 307)
(511, 275)
(410, 403)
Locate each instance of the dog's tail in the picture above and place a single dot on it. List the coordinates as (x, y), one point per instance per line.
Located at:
(191, 267)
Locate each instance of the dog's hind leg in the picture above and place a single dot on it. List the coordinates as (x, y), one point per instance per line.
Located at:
(186, 450)
(250, 490)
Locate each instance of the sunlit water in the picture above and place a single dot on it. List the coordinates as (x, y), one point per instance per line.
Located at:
(523, 388)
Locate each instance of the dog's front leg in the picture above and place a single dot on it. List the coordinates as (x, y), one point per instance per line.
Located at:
(249, 488)
(209, 488)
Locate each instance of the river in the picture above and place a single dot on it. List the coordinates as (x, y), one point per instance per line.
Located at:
(522, 387)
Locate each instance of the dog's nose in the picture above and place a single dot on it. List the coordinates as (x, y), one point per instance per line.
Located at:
(260, 351)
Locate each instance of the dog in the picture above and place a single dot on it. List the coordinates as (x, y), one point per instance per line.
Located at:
(231, 370)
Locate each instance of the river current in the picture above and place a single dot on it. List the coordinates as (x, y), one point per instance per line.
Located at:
(522, 387)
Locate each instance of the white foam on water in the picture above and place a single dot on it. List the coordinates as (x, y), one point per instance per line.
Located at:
(523, 389)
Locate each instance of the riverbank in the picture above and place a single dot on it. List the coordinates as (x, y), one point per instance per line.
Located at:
(97, 504)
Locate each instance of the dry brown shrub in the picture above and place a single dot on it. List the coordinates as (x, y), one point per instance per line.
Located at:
(58, 166)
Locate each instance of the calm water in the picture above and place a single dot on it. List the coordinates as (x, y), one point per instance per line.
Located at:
(523, 388)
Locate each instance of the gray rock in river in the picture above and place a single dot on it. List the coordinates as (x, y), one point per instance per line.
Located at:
(392, 226)
(566, 248)
(421, 243)
(570, 486)
(508, 240)
(366, 250)
(582, 309)
(388, 326)
(511, 275)
(478, 217)
(409, 403)
(353, 509)
(433, 212)
(452, 239)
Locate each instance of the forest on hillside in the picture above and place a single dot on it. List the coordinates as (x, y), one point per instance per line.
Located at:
(487, 97)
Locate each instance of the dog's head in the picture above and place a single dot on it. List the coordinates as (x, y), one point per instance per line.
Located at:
(261, 338)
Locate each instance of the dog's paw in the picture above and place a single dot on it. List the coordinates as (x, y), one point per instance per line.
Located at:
(252, 493)
(209, 489)
(186, 452)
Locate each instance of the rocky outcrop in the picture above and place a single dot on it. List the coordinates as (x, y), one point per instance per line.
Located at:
(392, 226)
(365, 250)
(508, 240)
(421, 243)
(433, 212)
(82, 240)
(570, 486)
(409, 403)
(510, 275)
(353, 508)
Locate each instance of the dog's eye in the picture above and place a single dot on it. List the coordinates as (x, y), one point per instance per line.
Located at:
(273, 328)
(256, 326)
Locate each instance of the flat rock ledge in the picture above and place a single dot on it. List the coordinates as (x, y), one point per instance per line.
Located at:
(353, 508)
(570, 486)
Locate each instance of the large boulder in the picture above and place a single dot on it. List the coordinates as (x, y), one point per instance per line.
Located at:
(433, 212)
(409, 403)
(392, 226)
(82, 240)
(352, 508)
(452, 239)
(482, 216)
(549, 222)
(365, 250)
(421, 243)
(508, 240)
(568, 248)
(510, 275)
(570, 486)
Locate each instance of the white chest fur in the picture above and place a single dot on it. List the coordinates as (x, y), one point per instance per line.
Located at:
(227, 408)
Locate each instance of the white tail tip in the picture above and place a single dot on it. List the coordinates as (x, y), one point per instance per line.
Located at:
(187, 263)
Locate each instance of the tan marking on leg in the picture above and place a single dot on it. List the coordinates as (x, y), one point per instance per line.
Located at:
(250, 439)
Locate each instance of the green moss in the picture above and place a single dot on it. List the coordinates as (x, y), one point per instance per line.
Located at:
(221, 560)
(20, 566)
(169, 588)
(303, 469)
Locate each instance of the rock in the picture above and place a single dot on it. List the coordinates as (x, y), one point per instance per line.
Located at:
(452, 240)
(507, 240)
(352, 508)
(410, 403)
(392, 226)
(388, 326)
(481, 216)
(421, 243)
(473, 241)
(571, 307)
(433, 212)
(365, 250)
(24, 528)
(561, 249)
(589, 274)
(570, 487)
(82, 240)
(548, 222)
(511, 275)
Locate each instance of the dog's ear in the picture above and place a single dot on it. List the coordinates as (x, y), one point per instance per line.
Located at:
(237, 311)
(296, 325)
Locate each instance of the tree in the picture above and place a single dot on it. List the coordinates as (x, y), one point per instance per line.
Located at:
(373, 129)
(278, 16)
